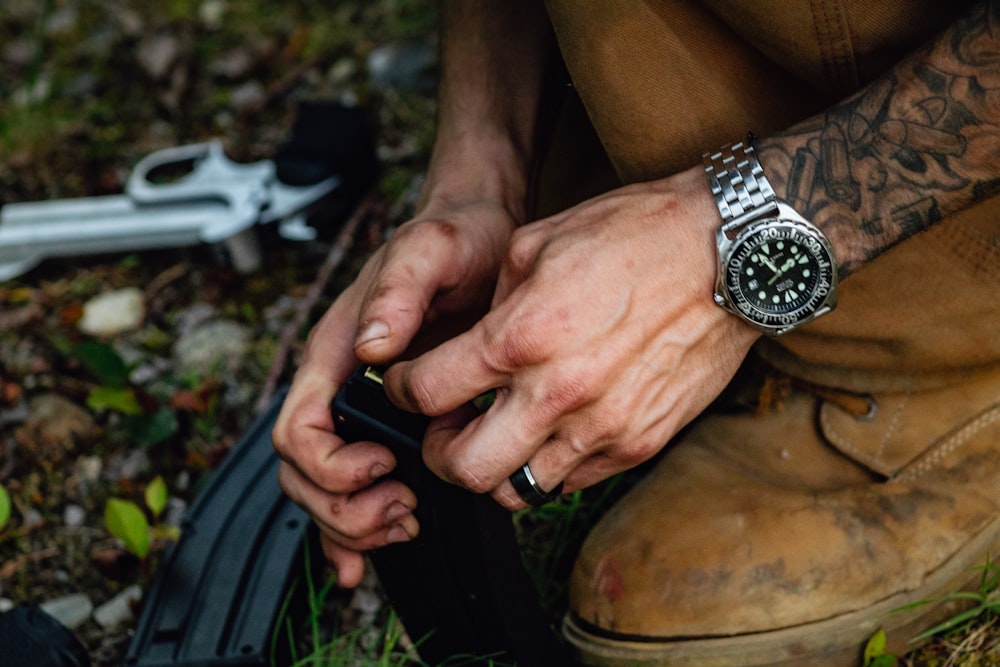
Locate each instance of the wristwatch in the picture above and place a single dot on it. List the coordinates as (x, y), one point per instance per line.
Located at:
(777, 270)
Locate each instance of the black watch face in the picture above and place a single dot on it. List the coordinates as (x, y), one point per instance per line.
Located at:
(778, 273)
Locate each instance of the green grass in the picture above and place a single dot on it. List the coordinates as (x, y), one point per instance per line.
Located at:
(319, 641)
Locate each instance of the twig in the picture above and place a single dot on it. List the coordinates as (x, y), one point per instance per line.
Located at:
(291, 330)
(11, 567)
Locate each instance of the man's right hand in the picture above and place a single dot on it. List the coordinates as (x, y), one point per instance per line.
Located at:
(434, 277)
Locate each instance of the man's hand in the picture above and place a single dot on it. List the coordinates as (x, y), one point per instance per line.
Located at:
(439, 268)
(602, 342)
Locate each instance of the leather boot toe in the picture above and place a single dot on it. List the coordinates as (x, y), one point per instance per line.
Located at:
(790, 537)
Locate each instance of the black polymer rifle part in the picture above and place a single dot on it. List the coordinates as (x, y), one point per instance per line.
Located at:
(215, 600)
(460, 588)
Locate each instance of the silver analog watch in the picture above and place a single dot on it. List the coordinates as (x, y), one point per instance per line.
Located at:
(776, 269)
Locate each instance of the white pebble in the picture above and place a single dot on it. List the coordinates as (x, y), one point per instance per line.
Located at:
(113, 312)
(118, 609)
(70, 610)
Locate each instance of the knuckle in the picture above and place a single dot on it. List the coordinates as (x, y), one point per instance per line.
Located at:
(522, 250)
(425, 231)
(467, 478)
(509, 503)
(578, 447)
(420, 394)
(334, 506)
(571, 390)
(517, 342)
(633, 452)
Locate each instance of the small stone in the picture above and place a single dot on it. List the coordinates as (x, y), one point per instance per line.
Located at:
(216, 345)
(6, 604)
(88, 468)
(342, 71)
(233, 65)
(174, 514)
(248, 95)
(190, 319)
(55, 426)
(211, 13)
(113, 312)
(70, 610)
(128, 466)
(118, 609)
(20, 52)
(158, 54)
(33, 518)
(74, 516)
(62, 21)
(366, 601)
(183, 481)
(405, 65)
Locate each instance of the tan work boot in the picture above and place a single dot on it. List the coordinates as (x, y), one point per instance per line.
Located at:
(790, 538)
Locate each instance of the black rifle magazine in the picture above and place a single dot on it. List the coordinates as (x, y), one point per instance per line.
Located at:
(218, 594)
(460, 588)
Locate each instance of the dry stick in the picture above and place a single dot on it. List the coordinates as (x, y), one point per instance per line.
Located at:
(291, 330)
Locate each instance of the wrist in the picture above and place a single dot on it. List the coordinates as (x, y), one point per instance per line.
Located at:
(777, 270)
(475, 167)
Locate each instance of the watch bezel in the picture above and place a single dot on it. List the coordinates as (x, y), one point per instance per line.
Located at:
(823, 296)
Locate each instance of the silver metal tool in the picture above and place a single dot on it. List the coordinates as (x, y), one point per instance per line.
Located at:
(216, 200)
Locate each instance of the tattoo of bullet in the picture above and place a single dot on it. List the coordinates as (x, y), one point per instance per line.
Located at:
(838, 182)
(801, 179)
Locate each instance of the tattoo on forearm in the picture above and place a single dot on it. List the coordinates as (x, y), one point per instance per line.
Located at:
(913, 147)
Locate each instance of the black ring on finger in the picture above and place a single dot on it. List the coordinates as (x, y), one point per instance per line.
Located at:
(526, 487)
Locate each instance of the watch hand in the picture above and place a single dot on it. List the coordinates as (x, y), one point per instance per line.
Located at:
(767, 261)
(789, 263)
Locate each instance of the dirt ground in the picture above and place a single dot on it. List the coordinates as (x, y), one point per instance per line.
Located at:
(96, 406)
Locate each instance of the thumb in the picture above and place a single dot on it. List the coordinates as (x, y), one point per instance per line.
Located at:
(398, 299)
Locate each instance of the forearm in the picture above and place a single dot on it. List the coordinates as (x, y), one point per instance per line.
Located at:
(914, 146)
(494, 58)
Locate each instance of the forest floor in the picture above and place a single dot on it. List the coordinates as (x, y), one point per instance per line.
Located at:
(102, 402)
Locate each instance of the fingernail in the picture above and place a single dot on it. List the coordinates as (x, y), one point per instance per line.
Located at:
(397, 534)
(372, 331)
(396, 511)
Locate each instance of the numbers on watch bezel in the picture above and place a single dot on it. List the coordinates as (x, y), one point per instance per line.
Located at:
(778, 273)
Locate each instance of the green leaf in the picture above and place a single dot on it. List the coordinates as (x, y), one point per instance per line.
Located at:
(156, 496)
(114, 398)
(875, 647)
(149, 429)
(126, 521)
(103, 362)
(4, 507)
